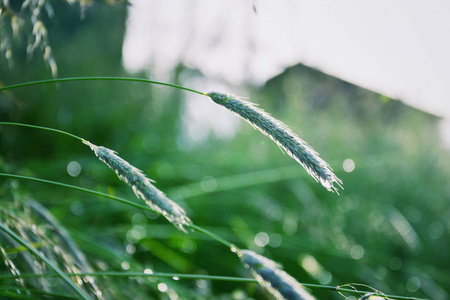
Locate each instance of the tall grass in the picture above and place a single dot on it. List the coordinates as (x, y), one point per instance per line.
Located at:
(78, 276)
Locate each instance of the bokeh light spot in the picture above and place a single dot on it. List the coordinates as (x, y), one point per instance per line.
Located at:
(357, 251)
(275, 240)
(395, 263)
(139, 219)
(130, 248)
(125, 265)
(435, 230)
(162, 287)
(274, 213)
(413, 284)
(262, 239)
(188, 246)
(348, 165)
(73, 168)
(208, 184)
(325, 277)
(77, 208)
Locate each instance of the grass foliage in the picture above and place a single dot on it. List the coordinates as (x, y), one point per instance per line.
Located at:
(69, 229)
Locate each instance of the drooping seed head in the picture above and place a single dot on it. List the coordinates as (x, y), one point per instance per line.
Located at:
(270, 276)
(283, 137)
(142, 187)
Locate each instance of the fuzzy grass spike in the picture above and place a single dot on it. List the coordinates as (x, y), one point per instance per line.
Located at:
(269, 275)
(142, 187)
(12, 267)
(283, 137)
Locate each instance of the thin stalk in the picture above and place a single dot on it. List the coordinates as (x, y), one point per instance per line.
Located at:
(43, 128)
(100, 78)
(80, 189)
(205, 277)
(121, 200)
(197, 228)
(214, 236)
(137, 274)
(60, 273)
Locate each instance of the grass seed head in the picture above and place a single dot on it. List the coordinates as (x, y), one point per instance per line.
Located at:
(11, 266)
(270, 276)
(283, 137)
(143, 187)
(37, 228)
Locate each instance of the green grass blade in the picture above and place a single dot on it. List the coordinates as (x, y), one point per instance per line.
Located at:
(121, 200)
(43, 128)
(105, 78)
(76, 188)
(209, 277)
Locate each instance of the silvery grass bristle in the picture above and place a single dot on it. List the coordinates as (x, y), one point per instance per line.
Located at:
(269, 275)
(11, 266)
(66, 251)
(142, 187)
(40, 212)
(283, 137)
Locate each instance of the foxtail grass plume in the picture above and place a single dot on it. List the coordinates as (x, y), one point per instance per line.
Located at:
(283, 137)
(269, 275)
(142, 187)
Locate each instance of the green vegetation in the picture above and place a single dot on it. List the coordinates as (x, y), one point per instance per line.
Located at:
(388, 231)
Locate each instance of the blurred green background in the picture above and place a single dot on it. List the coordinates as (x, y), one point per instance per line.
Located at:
(388, 229)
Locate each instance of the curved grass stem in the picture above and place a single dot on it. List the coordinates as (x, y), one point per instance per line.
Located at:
(214, 236)
(76, 188)
(205, 277)
(43, 128)
(124, 201)
(118, 199)
(104, 78)
(137, 274)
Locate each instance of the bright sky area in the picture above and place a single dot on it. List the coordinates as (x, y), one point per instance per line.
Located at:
(399, 48)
